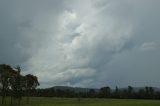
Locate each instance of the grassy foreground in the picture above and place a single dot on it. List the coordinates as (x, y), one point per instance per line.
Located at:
(44, 101)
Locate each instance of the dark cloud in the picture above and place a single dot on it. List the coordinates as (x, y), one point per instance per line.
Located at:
(19, 32)
(9, 36)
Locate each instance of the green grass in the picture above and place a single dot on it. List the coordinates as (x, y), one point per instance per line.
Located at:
(44, 101)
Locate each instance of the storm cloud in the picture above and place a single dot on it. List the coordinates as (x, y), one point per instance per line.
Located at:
(87, 43)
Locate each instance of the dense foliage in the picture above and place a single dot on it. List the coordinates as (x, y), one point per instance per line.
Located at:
(15, 85)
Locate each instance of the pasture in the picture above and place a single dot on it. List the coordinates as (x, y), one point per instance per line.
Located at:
(48, 101)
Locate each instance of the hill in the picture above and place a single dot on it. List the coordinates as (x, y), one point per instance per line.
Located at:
(75, 89)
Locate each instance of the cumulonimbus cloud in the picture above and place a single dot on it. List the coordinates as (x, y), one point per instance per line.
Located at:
(77, 43)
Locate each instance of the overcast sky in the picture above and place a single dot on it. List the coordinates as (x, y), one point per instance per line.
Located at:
(86, 43)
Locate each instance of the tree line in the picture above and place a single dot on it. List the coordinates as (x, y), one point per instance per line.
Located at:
(104, 92)
(15, 85)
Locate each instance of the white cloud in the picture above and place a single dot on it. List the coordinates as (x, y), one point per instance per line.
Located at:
(148, 46)
(82, 43)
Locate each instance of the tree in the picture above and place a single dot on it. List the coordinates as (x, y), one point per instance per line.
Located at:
(5, 75)
(130, 91)
(116, 93)
(105, 92)
(151, 92)
(147, 92)
(16, 84)
(31, 84)
(13, 83)
(92, 93)
(141, 94)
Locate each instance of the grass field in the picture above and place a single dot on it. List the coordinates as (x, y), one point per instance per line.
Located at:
(44, 101)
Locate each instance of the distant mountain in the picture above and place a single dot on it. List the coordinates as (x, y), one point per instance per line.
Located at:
(75, 89)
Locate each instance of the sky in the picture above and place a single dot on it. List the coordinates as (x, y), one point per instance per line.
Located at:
(84, 43)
